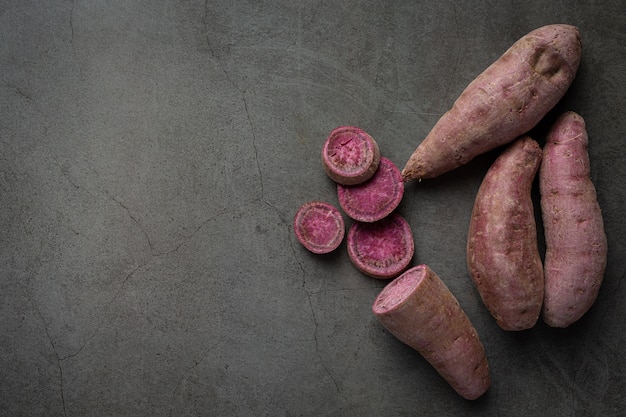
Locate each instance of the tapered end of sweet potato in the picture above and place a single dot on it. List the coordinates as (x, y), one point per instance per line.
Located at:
(504, 102)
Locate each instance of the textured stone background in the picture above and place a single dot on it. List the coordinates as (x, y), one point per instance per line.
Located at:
(153, 154)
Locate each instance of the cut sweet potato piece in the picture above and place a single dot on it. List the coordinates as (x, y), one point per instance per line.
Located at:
(382, 249)
(319, 227)
(350, 156)
(419, 310)
(375, 198)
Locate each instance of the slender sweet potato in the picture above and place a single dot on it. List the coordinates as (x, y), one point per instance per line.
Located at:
(502, 253)
(508, 99)
(350, 156)
(419, 310)
(576, 246)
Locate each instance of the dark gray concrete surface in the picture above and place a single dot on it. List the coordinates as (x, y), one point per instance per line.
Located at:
(153, 154)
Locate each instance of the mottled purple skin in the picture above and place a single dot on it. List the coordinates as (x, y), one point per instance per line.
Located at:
(576, 245)
(381, 249)
(502, 252)
(419, 310)
(350, 156)
(319, 227)
(507, 100)
(375, 198)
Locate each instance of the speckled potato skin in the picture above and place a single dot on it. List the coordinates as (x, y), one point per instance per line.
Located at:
(502, 252)
(420, 311)
(508, 99)
(576, 245)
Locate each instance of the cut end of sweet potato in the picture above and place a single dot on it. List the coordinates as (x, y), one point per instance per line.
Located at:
(319, 227)
(382, 249)
(399, 290)
(350, 156)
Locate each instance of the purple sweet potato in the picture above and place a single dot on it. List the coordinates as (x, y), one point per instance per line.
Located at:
(419, 310)
(382, 249)
(350, 156)
(375, 198)
(319, 227)
(502, 252)
(576, 246)
(508, 99)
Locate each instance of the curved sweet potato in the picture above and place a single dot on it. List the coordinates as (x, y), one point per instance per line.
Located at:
(508, 99)
(576, 246)
(502, 253)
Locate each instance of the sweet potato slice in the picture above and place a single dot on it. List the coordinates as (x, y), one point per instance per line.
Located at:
(419, 310)
(319, 227)
(350, 156)
(381, 249)
(375, 198)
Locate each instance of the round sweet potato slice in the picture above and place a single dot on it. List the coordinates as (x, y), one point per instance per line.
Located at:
(381, 249)
(319, 227)
(375, 198)
(350, 156)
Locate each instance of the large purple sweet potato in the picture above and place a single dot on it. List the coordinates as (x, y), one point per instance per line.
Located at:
(508, 99)
(576, 246)
(502, 253)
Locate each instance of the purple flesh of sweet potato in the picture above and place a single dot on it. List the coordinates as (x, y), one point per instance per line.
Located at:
(376, 198)
(350, 156)
(382, 249)
(319, 227)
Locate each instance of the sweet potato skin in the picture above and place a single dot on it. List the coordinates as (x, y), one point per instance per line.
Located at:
(502, 252)
(504, 102)
(419, 310)
(576, 245)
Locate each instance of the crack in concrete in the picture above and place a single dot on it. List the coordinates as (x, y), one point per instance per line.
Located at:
(316, 341)
(135, 220)
(189, 369)
(54, 349)
(73, 4)
(153, 252)
(241, 92)
(31, 101)
(106, 309)
(57, 356)
(309, 296)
